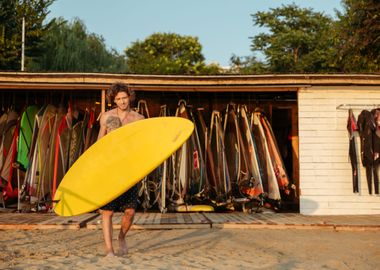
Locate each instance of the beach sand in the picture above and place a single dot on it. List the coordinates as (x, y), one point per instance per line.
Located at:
(193, 249)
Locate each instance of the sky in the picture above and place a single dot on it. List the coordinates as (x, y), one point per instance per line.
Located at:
(223, 27)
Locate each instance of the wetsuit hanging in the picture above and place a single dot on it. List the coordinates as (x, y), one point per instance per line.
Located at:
(366, 124)
(376, 149)
(352, 128)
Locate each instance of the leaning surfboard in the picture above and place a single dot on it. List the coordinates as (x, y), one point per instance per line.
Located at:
(117, 162)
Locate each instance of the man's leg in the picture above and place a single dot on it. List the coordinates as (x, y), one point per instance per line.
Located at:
(107, 231)
(126, 223)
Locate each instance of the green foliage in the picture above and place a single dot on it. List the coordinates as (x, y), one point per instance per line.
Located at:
(9, 40)
(166, 53)
(211, 69)
(299, 40)
(11, 14)
(69, 47)
(247, 65)
(359, 35)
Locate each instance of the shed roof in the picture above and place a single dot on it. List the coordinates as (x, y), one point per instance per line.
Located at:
(220, 83)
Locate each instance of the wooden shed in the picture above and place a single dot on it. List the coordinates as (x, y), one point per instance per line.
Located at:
(308, 114)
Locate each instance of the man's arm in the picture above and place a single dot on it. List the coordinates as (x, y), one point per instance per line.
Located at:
(103, 128)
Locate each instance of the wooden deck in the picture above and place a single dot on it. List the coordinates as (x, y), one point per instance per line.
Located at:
(159, 221)
(236, 220)
(31, 221)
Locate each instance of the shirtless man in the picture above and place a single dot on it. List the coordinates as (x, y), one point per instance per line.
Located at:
(122, 96)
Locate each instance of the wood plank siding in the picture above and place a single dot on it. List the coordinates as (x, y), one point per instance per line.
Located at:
(325, 169)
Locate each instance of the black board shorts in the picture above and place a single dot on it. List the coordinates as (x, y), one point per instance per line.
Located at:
(124, 201)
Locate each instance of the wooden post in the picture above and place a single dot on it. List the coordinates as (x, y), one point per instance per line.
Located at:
(103, 105)
(295, 148)
(23, 45)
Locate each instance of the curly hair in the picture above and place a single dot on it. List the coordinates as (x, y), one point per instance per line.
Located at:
(120, 87)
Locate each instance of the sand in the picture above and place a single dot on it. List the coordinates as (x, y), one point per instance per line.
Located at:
(193, 249)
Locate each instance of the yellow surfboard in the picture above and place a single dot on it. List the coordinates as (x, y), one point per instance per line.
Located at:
(117, 162)
(194, 208)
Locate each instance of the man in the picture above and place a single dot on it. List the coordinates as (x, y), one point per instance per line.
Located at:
(122, 96)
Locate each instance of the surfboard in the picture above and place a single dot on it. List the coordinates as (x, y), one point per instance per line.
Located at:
(232, 145)
(182, 170)
(190, 163)
(278, 163)
(163, 172)
(149, 185)
(194, 208)
(45, 170)
(216, 142)
(61, 147)
(117, 162)
(92, 131)
(273, 189)
(76, 140)
(11, 190)
(30, 185)
(7, 135)
(61, 113)
(26, 132)
(211, 184)
(199, 170)
(255, 186)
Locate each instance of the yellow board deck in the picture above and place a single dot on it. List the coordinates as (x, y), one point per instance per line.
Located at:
(194, 208)
(117, 162)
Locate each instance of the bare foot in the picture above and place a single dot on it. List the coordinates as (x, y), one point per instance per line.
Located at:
(123, 249)
(110, 254)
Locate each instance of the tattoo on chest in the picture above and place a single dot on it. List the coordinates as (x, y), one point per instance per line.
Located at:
(112, 123)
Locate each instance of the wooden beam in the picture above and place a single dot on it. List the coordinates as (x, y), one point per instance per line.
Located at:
(48, 81)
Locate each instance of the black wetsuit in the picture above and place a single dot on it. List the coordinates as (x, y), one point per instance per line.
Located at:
(351, 128)
(367, 127)
(376, 149)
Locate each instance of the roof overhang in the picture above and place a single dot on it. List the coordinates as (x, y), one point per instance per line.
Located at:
(220, 83)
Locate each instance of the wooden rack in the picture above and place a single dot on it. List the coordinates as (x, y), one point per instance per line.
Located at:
(351, 106)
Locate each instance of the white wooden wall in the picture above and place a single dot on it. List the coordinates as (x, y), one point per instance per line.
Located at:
(325, 168)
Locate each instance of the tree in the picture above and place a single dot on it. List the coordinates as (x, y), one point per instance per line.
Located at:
(359, 35)
(247, 65)
(69, 47)
(11, 14)
(8, 37)
(166, 53)
(299, 40)
(211, 69)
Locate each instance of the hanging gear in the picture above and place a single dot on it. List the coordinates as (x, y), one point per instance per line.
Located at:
(352, 128)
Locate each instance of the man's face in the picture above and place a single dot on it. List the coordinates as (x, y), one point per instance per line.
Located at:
(122, 100)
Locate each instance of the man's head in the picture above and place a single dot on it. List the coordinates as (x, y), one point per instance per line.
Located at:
(117, 88)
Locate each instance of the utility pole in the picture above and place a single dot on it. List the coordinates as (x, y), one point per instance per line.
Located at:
(23, 44)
